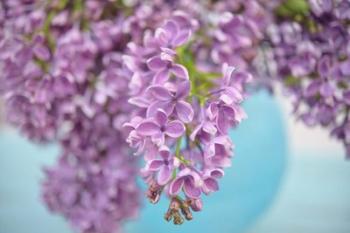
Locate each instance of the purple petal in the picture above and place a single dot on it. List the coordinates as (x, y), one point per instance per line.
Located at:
(195, 132)
(160, 93)
(155, 63)
(164, 152)
(345, 67)
(209, 128)
(162, 36)
(231, 95)
(181, 38)
(161, 117)
(161, 76)
(164, 175)
(155, 165)
(184, 111)
(326, 90)
(139, 102)
(190, 190)
(167, 106)
(346, 97)
(212, 111)
(217, 173)
(180, 71)
(42, 52)
(183, 90)
(211, 184)
(147, 128)
(158, 138)
(223, 122)
(175, 129)
(171, 29)
(227, 71)
(176, 186)
(312, 89)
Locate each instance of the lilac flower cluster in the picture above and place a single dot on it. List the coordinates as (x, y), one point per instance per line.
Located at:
(93, 183)
(311, 46)
(181, 129)
(63, 81)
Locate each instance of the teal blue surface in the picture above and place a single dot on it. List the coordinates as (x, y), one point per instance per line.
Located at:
(247, 189)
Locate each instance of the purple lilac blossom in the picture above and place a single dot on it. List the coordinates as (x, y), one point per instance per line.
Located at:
(312, 54)
(63, 81)
(170, 111)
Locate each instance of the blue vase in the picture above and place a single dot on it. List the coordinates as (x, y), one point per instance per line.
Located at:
(247, 189)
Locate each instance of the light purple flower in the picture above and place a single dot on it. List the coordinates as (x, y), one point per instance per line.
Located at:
(164, 166)
(172, 101)
(159, 126)
(187, 180)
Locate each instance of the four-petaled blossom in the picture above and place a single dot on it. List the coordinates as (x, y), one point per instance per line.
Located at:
(159, 126)
(172, 101)
(165, 165)
(189, 181)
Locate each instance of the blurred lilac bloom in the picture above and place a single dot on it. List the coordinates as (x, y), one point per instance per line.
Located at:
(171, 36)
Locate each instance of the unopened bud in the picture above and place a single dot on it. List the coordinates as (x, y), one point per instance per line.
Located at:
(153, 193)
(195, 204)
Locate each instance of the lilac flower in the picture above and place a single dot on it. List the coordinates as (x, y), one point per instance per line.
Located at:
(172, 101)
(159, 127)
(171, 36)
(163, 65)
(210, 183)
(189, 180)
(202, 116)
(164, 166)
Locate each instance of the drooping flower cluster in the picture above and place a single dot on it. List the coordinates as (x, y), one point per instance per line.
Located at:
(63, 81)
(93, 185)
(311, 46)
(181, 128)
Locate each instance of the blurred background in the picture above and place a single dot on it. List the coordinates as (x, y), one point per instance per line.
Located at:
(285, 178)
